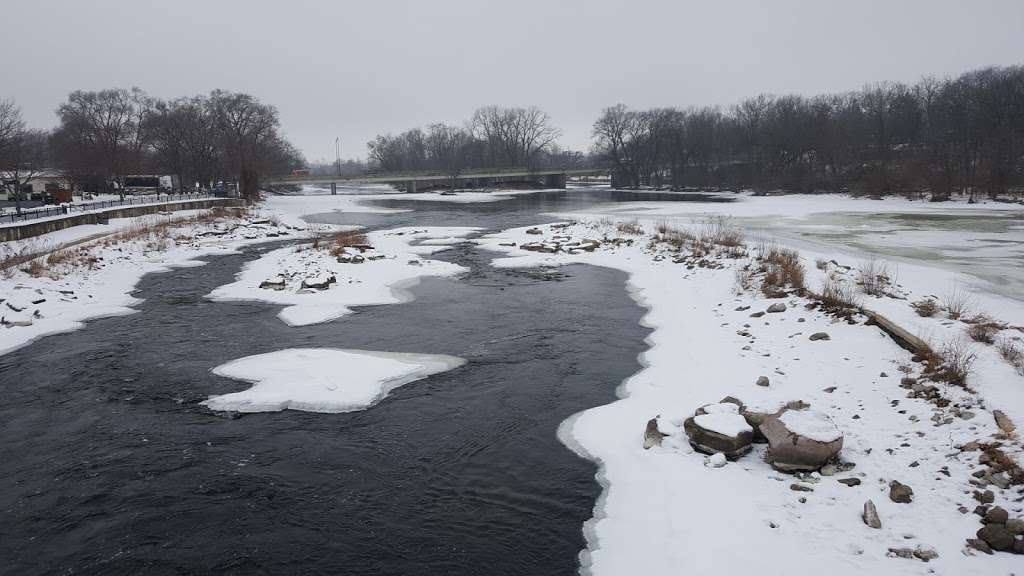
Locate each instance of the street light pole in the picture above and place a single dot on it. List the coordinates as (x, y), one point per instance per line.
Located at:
(337, 153)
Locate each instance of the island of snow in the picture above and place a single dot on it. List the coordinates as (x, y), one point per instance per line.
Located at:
(323, 379)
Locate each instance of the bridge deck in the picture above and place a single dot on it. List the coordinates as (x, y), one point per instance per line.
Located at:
(430, 177)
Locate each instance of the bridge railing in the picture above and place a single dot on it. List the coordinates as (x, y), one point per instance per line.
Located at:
(28, 214)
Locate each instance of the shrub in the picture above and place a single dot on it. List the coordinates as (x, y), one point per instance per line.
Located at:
(925, 308)
(782, 267)
(957, 303)
(721, 231)
(1011, 351)
(953, 363)
(633, 228)
(821, 264)
(838, 296)
(342, 240)
(874, 277)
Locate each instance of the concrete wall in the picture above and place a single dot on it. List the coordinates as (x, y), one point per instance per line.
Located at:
(37, 228)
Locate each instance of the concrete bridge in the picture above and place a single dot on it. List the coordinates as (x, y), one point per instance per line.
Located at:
(470, 179)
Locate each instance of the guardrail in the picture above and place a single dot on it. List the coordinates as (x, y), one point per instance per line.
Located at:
(70, 209)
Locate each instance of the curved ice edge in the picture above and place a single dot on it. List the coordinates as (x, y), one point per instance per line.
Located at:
(565, 432)
(426, 365)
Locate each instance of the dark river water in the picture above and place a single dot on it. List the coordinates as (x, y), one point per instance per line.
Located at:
(108, 465)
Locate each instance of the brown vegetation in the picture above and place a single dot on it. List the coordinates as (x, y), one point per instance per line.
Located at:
(926, 308)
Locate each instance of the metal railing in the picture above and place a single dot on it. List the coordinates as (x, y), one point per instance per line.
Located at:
(28, 214)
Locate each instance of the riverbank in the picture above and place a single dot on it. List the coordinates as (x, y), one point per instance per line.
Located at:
(663, 510)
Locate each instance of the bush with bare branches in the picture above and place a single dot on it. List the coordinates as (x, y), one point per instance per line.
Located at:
(632, 228)
(952, 364)
(838, 296)
(926, 307)
(1012, 351)
(874, 277)
(957, 303)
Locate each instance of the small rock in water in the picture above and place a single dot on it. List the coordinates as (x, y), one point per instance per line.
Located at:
(820, 336)
(900, 493)
(870, 515)
(716, 460)
(762, 381)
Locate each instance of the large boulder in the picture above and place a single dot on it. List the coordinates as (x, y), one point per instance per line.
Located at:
(719, 428)
(758, 414)
(801, 440)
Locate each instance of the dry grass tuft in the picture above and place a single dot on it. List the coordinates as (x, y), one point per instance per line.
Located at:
(721, 231)
(957, 303)
(952, 363)
(838, 296)
(874, 277)
(1012, 351)
(632, 228)
(926, 308)
(349, 238)
(982, 328)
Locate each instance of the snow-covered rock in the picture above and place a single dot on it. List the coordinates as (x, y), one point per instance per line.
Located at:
(801, 440)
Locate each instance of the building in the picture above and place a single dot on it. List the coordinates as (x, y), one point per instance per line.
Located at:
(46, 182)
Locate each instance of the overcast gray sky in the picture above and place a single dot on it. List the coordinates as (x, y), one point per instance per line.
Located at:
(354, 69)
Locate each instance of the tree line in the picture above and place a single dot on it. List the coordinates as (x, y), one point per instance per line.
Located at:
(105, 135)
(941, 136)
(494, 137)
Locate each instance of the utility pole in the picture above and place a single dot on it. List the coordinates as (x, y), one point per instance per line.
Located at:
(337, 163)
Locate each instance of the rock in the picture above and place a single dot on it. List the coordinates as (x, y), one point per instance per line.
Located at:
(1015, 526)
(652, 436)
(800, 488)
(535, 231)
(829, 390)
(801, 440)
(762, 381)
(981, 510)
(1003, 421)
(900, 493)
(907, 382)
(925, 553)
(979, 544)
(820, 336)
(776, 308)
(851, 482)
(883, 375)
(997, 536)
(870, 515)
(275, 283)
(997, 515)
(716, 460)
(986, 497)
(721, 431)
(319, 282)
(901, 552)
(757, 314)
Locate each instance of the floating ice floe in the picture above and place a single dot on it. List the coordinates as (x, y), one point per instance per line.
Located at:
(323, 379)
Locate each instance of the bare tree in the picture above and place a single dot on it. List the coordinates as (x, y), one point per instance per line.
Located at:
(514, 136)
(22, 160)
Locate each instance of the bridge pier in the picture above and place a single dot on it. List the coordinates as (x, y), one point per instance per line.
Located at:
(334, 188)
(410, 186)
(554, 181)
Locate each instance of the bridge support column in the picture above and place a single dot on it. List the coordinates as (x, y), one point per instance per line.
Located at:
(334, 188)
(554, 181)
(410, 186)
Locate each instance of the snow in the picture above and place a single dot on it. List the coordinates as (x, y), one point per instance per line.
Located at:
(723, 423)
(70, 294)
(663, 511)
(392, 265)
(322, 379)
(811, 424)
(722, 408)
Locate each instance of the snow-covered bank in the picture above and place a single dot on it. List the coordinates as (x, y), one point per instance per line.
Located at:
(323, 380)
(317, 286)
(664, 511)
(57, 292)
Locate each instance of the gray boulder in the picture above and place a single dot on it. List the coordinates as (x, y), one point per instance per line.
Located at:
(719, 429)
(801, 440)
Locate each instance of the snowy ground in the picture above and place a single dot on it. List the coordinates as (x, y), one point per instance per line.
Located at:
(290, 276)
(310, 379)
(94, 269)
(664, 511)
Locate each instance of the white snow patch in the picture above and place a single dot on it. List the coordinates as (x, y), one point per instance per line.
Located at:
(723, 423)
(322, 379)
(811, 424)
